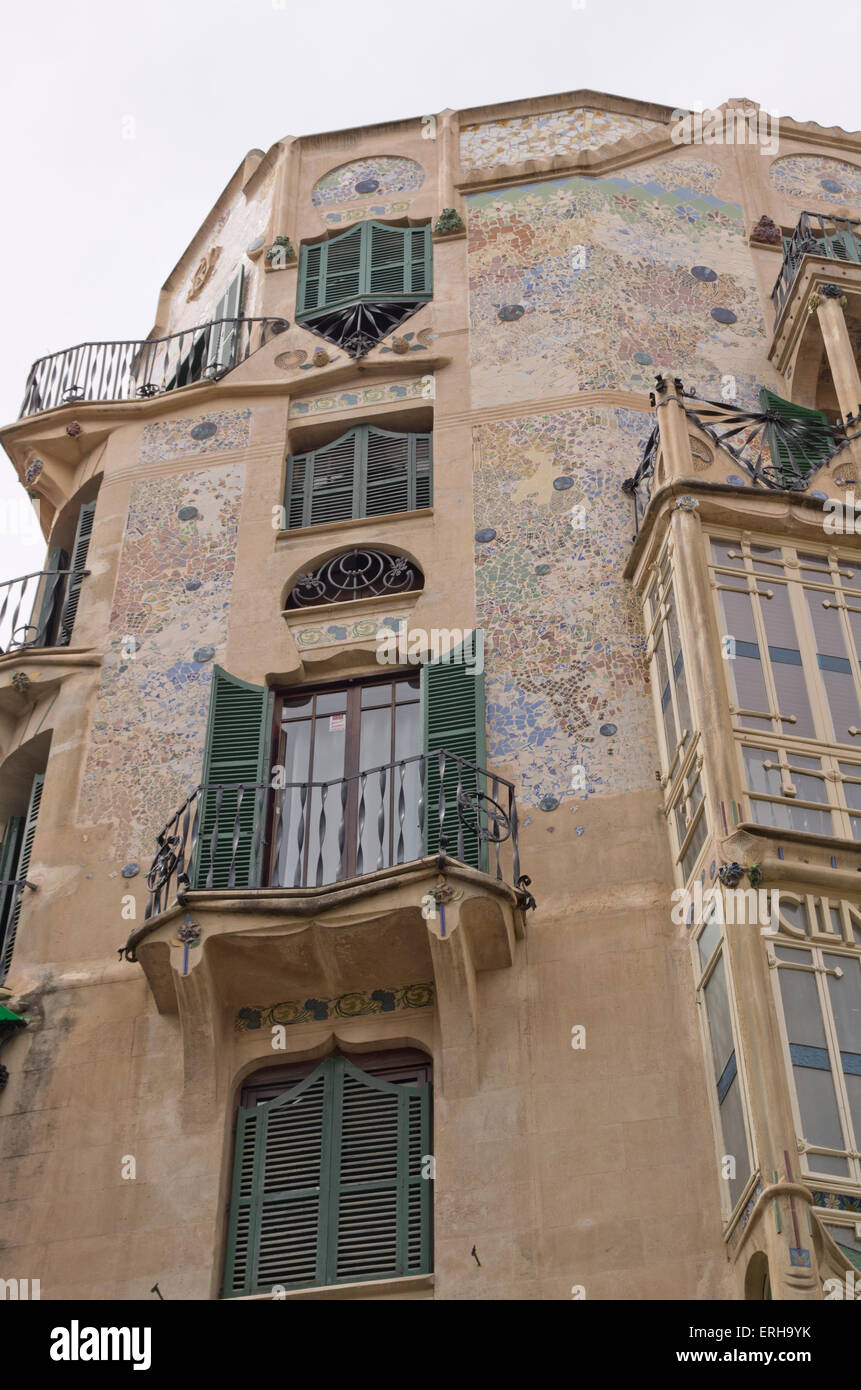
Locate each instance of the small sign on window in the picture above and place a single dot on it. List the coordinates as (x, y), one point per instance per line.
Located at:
(337, 721)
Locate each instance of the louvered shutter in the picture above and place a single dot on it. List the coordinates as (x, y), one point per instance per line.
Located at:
(47, 597)
(453, 719)
(309, 292)
(9, 851)
(328, 1185)
(419, 260)
(83, 534)
(388, 265)
(367, 472)
(343, 257)
(278, 1210)
(379, 1202)
(804, 444)
(236, 757)
(22, 868)
(322, 486)
(225, 335)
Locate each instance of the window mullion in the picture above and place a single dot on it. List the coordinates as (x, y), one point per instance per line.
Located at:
(816, 693)
(833, 1043)
(762, 642)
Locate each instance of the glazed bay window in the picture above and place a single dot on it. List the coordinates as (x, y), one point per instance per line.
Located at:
(819, 1003)
(791, 627)
(689, 820)
(664, 644)
(793, 791)
(728, 1106)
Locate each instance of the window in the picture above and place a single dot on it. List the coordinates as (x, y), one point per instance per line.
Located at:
(819, 999)
(357, 287)
(668, 665)
(331, 1179)
(366, 472)
(327, 783)
(719, 1030)
(354, 574)
(15, 851)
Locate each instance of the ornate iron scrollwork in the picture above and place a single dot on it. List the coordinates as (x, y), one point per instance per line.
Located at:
(164, 864)
(354, 574)
(490, 823)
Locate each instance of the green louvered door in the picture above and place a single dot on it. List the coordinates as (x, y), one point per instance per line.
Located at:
(225, 335)
(83, 534)
(805, 442)
(10, 848)
(50, 589)
(453, 719)
(328, 1185)
(236, 759)
(22, 868)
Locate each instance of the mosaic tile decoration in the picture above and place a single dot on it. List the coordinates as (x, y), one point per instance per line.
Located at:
(812, 180)
(837, 1201)
(359, 1004)
(357, 214)
(335, 633)
(173, 439)
(366, 395)
(172, 596)
(367, 178)
(584, 284)
(541, 137)
(564, 652)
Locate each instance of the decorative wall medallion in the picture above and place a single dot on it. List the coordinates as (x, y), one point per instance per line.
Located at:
(188, 513)
(205, 430)
(686, 503)
(486, 534)
(286, 361)
(735, 480)
(548, 803)
(608, 730)
(510, 313)
(562, 484)
(358, 1004)
(702, 455)
(202, 274)
(730, 874)
(130, 870)
(203, 654)
(721, 315)
(73, 429)
(192, 584)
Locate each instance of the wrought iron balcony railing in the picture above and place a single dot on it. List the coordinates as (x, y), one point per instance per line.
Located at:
(311, 834)
(38, 609)
(125, 371)
(817, 234)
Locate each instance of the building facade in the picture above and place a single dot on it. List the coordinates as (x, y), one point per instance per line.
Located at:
(431, 846)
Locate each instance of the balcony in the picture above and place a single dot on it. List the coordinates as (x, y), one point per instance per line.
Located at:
(126, 371)
(38, 610)
(817, 234)
(309, 835)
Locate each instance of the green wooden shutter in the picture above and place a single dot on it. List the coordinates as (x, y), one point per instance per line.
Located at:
(83, 534)
(453, 719)
(379, 1202)
(225, 336)
(369, 262)
(419, 260)
(322, 484)
(22, 868)
(237, 753)
(277, 1230)
(366, 472)
(309, 292)
(810, 443)
(47, 596)
(9, 851)
(328, 1185)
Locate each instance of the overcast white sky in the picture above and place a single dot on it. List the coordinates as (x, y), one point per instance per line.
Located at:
(93, 223)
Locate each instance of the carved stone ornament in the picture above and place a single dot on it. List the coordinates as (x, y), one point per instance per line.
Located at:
(32, 471)
(21, 682)
(767, 230)
(730, 874)
(205, 267)
(687, 503)
(73, 430)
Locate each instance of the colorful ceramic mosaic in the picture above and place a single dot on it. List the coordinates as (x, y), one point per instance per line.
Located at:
(837, 1201)
(173, 439)
(566, 675)
(541, 137)
(357, 214)
(579, 284)
(356, 1005)
(812, 180)
(364, 396)
(170, 605)
(334, 634)
(367, 178)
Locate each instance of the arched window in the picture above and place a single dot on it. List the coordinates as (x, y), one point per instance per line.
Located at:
(354, 574)
(365, 472)
(331, 1180)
